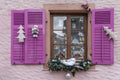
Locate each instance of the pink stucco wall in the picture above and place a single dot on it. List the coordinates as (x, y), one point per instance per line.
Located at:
(36, 72)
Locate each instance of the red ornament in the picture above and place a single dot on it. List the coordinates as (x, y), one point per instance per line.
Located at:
(86, 7)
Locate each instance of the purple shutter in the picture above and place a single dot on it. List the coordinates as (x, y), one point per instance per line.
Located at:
(17, 49)
(35, 47)
(102, 47)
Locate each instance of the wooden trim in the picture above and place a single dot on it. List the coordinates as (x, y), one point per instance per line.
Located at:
(72, 14)
(86, 34)
(68, 11)
(51, 34)
(68, 36)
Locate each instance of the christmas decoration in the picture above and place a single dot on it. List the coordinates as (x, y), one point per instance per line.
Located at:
(35, 31)
(86, 6)
(109, 32)
(68, 76)
(69, 62)
(21, 35)
(60, 55)
(56, 64)
(75, 41)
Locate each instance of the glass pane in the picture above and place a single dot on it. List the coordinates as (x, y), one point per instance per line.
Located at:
(60, 51)
(60, 37)
(77, 38)
(77, 52)
(77, 22)
(59, 22)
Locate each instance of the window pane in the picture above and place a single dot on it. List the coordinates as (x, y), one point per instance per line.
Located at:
(60, 37)
(77, 22)
(60, 51)
(59, 22)
(77, 52)
(77, 38)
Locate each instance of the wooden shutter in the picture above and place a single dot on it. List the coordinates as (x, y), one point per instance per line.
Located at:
(17, 48)
(35, 47)
(102, 47)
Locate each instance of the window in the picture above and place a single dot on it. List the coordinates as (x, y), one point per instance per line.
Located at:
(96, 47)
(69, 35)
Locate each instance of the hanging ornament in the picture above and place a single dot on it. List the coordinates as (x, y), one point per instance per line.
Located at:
(68, 76)
(109, 32)
(35, 31)
(21, 35)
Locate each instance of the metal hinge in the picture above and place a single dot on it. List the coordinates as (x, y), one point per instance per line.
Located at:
(46, 54)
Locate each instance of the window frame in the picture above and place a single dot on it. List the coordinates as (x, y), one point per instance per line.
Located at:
(68, 32)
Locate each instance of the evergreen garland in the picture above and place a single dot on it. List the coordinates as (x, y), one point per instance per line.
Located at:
(56, 65)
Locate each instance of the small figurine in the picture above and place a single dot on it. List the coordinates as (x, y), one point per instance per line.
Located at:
(35, 31)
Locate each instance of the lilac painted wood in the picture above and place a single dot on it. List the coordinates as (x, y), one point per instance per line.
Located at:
(17, 49)
(35, 47)
(102, 47)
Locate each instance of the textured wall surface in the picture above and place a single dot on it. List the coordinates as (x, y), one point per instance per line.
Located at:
(36, 72)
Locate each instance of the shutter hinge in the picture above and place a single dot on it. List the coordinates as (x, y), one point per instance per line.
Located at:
(90, 54)
(46, 21)
(46, 54)
(90, 21)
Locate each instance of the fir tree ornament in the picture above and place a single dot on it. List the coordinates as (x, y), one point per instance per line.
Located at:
(21, 35)
(109, 32)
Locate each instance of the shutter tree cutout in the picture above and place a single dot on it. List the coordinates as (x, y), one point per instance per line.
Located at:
(102, 46)
(35, 46)
(17, 48)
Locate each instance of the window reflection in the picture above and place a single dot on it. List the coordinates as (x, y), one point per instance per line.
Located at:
(59, 51)
(77, 52)
(59, 34)
(60, 37)
(77, 22)
(77, 37)
(59, 22)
